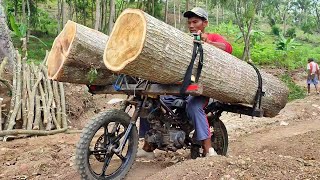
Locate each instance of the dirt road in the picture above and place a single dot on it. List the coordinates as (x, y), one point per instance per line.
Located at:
(284, 147)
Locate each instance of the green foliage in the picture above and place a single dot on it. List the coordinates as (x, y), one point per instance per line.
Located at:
(291, 32)
(19, 31)
(275, 30)
(307, 27)
(295, 91)
(286, 44)
(228, 29)
(255, 36)
(45, 23)
(92, 75)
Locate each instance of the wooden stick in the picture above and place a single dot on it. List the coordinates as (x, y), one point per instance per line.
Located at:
(54, 120)
(12, 121)
(1, 99)
(28, 96)
(49, 105)
(36, 125)
(24, 96)
(14, 88)
(63, 106)
(17, 99)
(31, 132)
(57, 100)
(19, 85)
(44, 103)
(32, 99)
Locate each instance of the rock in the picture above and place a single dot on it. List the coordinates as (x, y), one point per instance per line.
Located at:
(283, 123)
(265, 150)
(306, 163)
(4, 149)
(211, 164)
(242, 162)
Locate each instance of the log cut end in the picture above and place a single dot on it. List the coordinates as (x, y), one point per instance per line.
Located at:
(126, 40)
(60, 49)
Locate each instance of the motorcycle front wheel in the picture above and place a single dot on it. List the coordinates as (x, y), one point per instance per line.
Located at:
(96, 155)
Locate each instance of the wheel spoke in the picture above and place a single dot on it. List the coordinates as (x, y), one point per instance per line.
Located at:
(121, 157)
(118, 137)
(106, 136)
(115, 127)
(105, 165)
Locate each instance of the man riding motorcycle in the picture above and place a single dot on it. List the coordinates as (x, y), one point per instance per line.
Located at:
(197, 22)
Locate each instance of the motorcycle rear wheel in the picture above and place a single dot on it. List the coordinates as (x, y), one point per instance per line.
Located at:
(219, 140)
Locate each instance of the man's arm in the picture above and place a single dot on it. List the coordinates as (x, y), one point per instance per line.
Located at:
(217, 44)
(217, 41)
(317, 72)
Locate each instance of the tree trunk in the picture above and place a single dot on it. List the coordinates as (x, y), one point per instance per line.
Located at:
(112, 15)
(6, 46)
(160, 53)
(84, 13)
(98, 17)
(284, 23)
(6, 50)
(64, 12)
(174, 13)
(76, 56)
(59, 16)
(217, 15)
(166, 12)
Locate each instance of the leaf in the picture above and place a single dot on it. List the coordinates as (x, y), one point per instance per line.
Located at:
(31, 36)
(23, 29)
(14, 26)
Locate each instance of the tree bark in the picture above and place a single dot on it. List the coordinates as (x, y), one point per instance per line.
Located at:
(98, 15)
(76, 56)
(6, 46)
(166, 12)
(160, 53)
(112, 15)
(174, 14)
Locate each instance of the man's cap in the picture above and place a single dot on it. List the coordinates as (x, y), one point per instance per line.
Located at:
(196, 11)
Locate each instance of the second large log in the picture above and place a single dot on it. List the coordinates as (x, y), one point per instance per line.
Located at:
(76, 56)
(145, 47)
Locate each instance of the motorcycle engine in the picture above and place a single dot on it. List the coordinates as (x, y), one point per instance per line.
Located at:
(172, 140)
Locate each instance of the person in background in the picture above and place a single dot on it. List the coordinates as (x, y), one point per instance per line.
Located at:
(313, 74)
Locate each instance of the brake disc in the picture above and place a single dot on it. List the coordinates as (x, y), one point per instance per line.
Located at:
(98, 146)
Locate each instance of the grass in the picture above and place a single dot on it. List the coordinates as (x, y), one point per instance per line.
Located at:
(295, 91)
(36, 49)
(264, 52)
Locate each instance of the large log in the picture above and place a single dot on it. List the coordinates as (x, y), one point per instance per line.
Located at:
(76, 56)
(145, 47)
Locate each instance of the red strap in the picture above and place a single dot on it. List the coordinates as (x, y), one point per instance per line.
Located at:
(310, 67)
(193, 87)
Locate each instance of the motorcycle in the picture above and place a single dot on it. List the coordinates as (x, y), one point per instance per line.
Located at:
(109, 142)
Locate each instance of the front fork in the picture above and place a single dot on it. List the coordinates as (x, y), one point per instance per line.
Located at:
(133, 120)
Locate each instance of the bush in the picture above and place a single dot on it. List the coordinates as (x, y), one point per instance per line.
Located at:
(275, 30)
(291, 32)
(295, 91)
